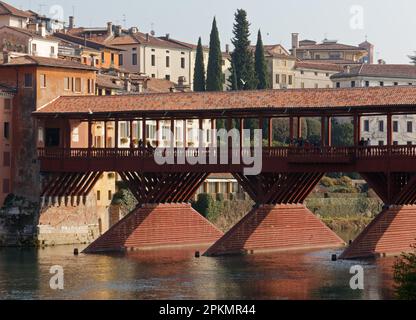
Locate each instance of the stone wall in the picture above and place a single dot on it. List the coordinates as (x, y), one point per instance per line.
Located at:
(63, 224)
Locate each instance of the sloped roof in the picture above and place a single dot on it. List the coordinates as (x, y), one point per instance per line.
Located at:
(30, 33)
(9, 9)
(318, 66)
(404, 71)
(238, 101)
(85, 42)
(46, 62)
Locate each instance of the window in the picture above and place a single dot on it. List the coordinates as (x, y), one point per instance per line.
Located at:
(302, 72)
(85, 60)
(396, 83)
(167, 77)
(410, 84)
(78, 88)
(290, 80)
(367, 83)
(277, 78)
(7, 104)
(110, 195)
(120, 59)
(327, 75)
(6, 130)
(381, 143)
(112, 58)
(183, 63)
(40, 135)
(410, 127)
(395, 143)
(98, 195)
(28, 80)
(352, 84)
(167, 62)
(367, 125)
(34, 49)
(395, 126)
(90, 86)
(153, 75)
(6, 159)
(302, 85)
(338, 84)
(42, 80)
(52, 51)
(153, 60)
(381, 84)
(67, 84)
(409, 143)
(97, 62)
(6, 186)
(316, 86)
(284, 79)
(317, 57)
(102, 57)
(381, 126)
(134, 59)
(316, 73)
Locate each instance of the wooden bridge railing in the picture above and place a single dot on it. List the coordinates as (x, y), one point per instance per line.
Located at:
(276, 152)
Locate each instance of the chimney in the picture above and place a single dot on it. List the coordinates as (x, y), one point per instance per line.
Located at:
(118, 31)
(147, 37)
(295, 43)
(71, 22)
(6, 57)
(110, 28)
(42, 30)
(167, 36)
(227, 48)
(347, 69)
(381, 61)
(33, 27)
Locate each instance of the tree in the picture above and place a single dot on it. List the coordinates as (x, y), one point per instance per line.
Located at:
(412, 59)
(261, 66)
(199, 71)
(242, 56)
(214, 71)
(343, 135)
(405, 277)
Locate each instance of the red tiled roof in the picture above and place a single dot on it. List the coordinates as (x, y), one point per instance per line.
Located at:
(142, 38)
(30, 33)
(404, 71)
(236, 100)
(46, 62)
(154, 85)
(330, 46)
(14, 11)
(318, 66)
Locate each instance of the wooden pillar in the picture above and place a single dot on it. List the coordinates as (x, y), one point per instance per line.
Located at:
(157, 133)
(144, 131)
(105, 134)
(299, 135)
(389, 129)
(329, 136)
(213, 134)
(261, 127)
(270, 132)
(201, 135)
(229, 124)
(185, 133)
(116, 133)
(357, 129)
(241, 132)
(89, 133)
(131, 134)
(172, 128)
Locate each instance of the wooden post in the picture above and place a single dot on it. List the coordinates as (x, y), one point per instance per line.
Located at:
(357, 130)
(185, 133)
(116, 133)
(329, 136)
(213, 134)
(105, 134)
(172, 128)
(89, 133)
(144, 131)
(201, 135)
(299, 135)
(157, 133)
(131, 135)
(389, 130)
(270, 132)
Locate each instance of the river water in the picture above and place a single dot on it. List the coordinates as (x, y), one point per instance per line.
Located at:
(174, 274)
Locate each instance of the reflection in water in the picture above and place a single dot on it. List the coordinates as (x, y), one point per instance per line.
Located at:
(24, 274)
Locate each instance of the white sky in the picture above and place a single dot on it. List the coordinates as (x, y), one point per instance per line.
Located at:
(389, 25)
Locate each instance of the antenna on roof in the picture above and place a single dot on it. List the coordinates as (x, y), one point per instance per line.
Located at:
(124, 21)
(152, 31)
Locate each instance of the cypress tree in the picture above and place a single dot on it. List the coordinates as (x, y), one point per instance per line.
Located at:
(242, 56)
(261, 66)
(214, 71)
(199, 71)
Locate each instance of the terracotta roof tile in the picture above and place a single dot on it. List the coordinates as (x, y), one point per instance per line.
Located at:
(222, 101)
(14, 11)
(405, 71)
(46, 62)
(318, 66)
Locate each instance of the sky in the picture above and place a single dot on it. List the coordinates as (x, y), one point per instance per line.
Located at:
(389, 25)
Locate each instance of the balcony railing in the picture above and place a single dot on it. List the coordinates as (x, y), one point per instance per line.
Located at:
(290, 153)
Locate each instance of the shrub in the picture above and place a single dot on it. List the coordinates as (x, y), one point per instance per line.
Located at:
(405, 277)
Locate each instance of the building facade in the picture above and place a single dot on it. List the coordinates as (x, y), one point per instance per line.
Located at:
(374, 129)
(13, 17)
(6, 107)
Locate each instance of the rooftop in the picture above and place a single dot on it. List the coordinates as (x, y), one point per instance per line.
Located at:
(279, 101)
(318, 66)
(46, 62)
(403, 71)
(6, 8)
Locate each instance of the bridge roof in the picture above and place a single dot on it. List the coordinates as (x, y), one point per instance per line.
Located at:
(377, 99)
